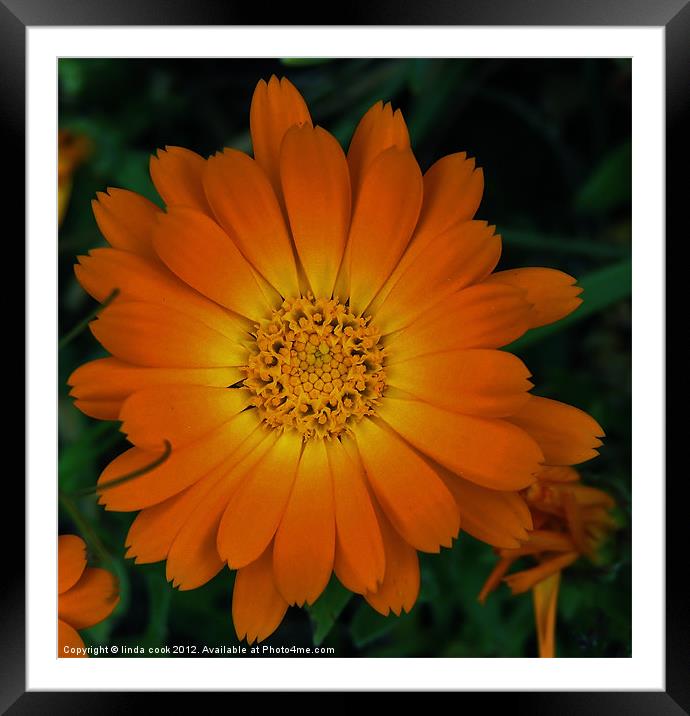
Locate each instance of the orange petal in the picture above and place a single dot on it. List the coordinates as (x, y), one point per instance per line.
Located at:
(498, 518)
(159, 337)
(477, 382)
(257, 607)
(542, 540)
(495, 577)
(598, 518)
(139, 279)
(560, 473)
(102, 385)
(411, 494)
(305, 540)
(522, 581)
(183, 468)
(64, 193)
(400, 586)
(126, 220)
(69, 639)
(90, 600)
(345, 571)
(360, 560)
(379, 129)
(180, 414)
(245, 205)
(316, 187)
(566, 435)
(193, 558)
(152, 533)
(545, 598)
(197, 250)
(463, 255)
(384, 217)
(100, 409)
(71, 561)
(276, 107)
(586, 496)
(490, 452)
(544, 499)
(453, 189)
(553, 294)
(575, 522)
(255, 510)
(490, 316)
(177, 175)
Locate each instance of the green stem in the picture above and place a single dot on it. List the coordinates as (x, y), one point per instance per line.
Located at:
(67, 338)
(82, 450)
(129, 476)
(85, 528)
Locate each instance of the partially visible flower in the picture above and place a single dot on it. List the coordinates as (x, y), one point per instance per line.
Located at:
(570, 521)
(86, 595)
(72, 151)
(317, 337)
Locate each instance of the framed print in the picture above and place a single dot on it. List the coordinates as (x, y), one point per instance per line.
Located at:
(355, 375)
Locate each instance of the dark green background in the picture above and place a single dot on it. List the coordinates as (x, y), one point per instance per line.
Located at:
(553, 137)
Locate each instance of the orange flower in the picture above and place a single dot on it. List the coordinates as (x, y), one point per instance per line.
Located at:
(72, 150)
(316, 335)
(570, 520)
(86, 595)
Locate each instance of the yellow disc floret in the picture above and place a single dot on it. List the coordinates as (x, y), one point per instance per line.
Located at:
(315, 367)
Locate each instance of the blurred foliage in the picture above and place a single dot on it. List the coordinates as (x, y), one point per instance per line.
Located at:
(553, 137)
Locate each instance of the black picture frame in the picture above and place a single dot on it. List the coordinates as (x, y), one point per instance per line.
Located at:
(673, 15)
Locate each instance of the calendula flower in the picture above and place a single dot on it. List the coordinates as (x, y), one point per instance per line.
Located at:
(86, 595)
(570, 521)
(72, 151)
(316, 336)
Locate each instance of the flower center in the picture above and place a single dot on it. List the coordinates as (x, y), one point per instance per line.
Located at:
(315, 367)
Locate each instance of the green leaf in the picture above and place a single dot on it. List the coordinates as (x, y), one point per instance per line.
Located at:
(94, 440)
(327, 609)
(304, 61)
(379, 82)
(601, 289)
(203, 616)
(437, 85)
(609, 185)
(534, 240)
(132, 172)
(160, 593)
(71, 74)
(368, 625)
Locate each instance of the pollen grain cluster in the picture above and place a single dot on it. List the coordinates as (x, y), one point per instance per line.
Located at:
(316, 367)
